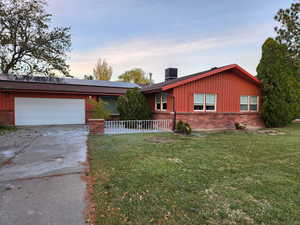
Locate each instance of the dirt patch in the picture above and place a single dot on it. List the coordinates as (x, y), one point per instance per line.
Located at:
(160, 140)
(270, 132)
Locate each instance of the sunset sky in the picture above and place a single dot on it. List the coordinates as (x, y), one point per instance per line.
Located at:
(192, 35)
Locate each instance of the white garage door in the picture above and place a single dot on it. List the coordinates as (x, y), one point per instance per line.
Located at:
(49, 111)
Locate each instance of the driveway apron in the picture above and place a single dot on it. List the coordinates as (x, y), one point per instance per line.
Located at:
(40, 175)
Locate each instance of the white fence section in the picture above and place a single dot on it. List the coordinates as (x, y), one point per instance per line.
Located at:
(136, 126)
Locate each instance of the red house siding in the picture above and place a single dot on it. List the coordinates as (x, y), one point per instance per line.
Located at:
(228, 86)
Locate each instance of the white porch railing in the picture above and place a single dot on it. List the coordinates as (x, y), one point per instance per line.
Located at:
(136, 126)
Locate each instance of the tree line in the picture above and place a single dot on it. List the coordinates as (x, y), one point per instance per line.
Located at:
(103, 71)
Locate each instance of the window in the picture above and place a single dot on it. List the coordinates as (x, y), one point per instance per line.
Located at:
(253, 103)
(205, 102)
(210, 103)
(199, 102)
(244, 103)
(161, 102)
(111, 102)
(164, 101)
(249, 103)
(157, 102)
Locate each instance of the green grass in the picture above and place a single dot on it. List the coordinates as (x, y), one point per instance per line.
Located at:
(5, 129)
(224, 178)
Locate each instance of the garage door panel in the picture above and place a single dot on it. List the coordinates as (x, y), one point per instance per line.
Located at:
(49, 111)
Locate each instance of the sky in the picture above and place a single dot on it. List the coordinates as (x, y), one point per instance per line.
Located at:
(191, 35)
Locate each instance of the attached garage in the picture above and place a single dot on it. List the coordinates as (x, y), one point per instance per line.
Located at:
(49, 111)
(33, 100)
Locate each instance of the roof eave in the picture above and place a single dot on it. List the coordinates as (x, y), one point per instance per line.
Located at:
(216, 71)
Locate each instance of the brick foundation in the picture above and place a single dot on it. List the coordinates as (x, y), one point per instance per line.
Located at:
(215, 120)
(96, 126)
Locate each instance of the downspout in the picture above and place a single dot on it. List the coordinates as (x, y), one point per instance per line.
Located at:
(174, 110)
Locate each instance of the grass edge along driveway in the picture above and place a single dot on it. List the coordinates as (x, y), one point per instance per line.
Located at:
(228, 177)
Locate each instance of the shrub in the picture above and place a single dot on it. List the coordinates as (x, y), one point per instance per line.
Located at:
(183, 128)
(239, 126)
(134, 106)
(99, 110)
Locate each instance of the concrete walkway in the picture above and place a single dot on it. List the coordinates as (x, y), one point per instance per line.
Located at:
(40, 181)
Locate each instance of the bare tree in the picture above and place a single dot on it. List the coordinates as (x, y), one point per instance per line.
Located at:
(102, 70)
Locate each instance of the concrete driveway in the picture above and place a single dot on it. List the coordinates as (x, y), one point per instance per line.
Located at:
(40, 176)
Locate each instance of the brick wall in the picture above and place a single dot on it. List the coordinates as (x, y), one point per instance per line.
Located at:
(96, 126)
(215, 120)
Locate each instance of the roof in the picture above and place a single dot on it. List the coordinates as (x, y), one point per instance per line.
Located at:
(163, 86)
(63, 85)
(66, 81)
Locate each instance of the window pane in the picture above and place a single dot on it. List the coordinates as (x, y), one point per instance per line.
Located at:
(164, 98)
(198, 107)
(253, 100)
(244, 107)
(158, 106)
(210, 107)
(210, 99)
(111, 103)
(157, 98)
(198, 99)
(164, 106)
(244, 100)
(253, 107)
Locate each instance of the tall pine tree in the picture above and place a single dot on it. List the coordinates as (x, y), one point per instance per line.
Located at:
(280, 88)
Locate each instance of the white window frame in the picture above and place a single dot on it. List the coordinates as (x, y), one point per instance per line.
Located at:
(204, 102)
(249, 103)
(161, 102)
(199, 110)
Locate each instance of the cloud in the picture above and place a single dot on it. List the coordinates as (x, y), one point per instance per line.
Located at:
(154, 54)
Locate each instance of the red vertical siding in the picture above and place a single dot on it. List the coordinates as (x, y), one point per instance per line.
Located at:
(151, 101)
(227, 86)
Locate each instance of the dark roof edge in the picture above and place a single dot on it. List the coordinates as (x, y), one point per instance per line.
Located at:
(81, 85)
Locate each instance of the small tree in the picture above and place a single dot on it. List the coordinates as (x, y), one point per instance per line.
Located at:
(134, 106)
(279, 85)
(102, 70)
(99, 110)
(135, 76)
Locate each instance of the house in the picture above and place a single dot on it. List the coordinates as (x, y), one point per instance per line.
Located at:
(212, 99)
(27, 100)
(216, 98)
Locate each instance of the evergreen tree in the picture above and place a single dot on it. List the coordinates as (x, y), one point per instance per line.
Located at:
(279, 85)
(134, 106)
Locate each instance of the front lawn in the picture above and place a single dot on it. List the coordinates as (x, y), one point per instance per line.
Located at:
(224, 178)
